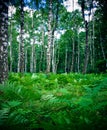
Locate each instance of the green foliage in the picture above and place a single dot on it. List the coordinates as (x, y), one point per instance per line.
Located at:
(54, 101)
(101, 66)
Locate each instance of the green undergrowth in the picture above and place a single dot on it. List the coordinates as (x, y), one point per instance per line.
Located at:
(54, 102)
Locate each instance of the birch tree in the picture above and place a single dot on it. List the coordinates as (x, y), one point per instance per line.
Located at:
(49, 37)
(3, 40)
(10, 41)
(55, 24)
(21, 43)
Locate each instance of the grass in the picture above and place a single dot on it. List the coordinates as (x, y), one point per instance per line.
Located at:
(54, 101)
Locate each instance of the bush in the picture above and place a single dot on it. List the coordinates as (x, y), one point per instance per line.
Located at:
(54, 101)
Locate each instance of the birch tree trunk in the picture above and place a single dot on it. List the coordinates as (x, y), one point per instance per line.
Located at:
(86, 48)
(33, 55)
(72, 5)
(73, 43)
(42, 49)
(73, 53)
(44, 55)
(86, 54)
(49, 37)
(93, 39)
(56, 56)
(3, 40)
(91, 49)
(78, 59)
(21, 44)
(11, 56)
(41, 57)
(55, 23)
(34, 67)
(93, 46)
(32, 59)
(53, 54)
(26, 59)
(19, 57)
(66, 57)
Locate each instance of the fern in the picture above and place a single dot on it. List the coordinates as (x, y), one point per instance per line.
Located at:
(54, 101)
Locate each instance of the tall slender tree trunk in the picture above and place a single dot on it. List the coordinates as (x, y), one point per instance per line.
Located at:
(41, 58)
(19, 57)
(34, 68)
(93, 42)
(55, 21)
(26, 59)
(32, 58)
(53, 56)
(33, 55)
(44, 57)
(11, 56)
(93, 37)
(73, 44)
(78, 59)
(31, 61)
(86, 49)
(102, 48)
(21, 44)
(90, 46)
(66, 57)
(73, 53)
(3, 40)
(56, 56)
(49, 37)
(72, 5)
(86, 55)
(42, 50)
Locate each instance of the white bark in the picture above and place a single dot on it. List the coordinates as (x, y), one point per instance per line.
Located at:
(11, 56)
(33, 58)
(73, 53)
(49, 37)
(78, 54)
(53, 57)
(26, 60)
(3, 40)
(21, 64)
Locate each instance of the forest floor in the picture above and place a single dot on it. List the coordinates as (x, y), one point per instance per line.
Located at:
(54, 102)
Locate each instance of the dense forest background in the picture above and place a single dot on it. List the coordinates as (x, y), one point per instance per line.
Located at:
(44, 37)
(53, 64)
